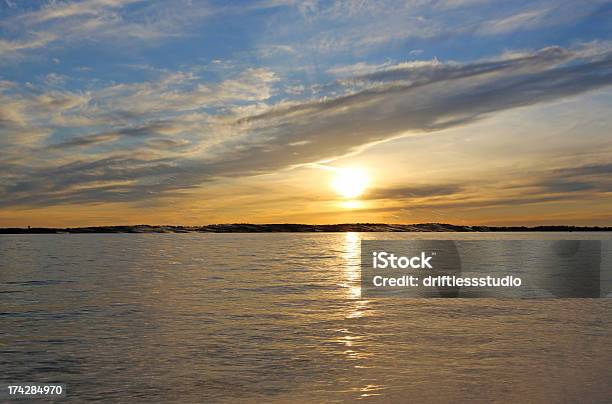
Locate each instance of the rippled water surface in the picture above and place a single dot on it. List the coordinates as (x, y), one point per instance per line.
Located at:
(278, 317)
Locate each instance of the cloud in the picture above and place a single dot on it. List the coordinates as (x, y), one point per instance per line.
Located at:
(365, 27)
(37, 41)
(54, 11)
(424, 72)
(573, 183)
(523, 20)
(593, 169)
(451, 4)
(358, 69)
(592, 178)
(415, 192)
(150, 130)
(127, 23)
(542, 14)
(241, 132)
(72, 22)
(183, 91)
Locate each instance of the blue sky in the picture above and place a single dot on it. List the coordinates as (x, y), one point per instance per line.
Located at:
(111, 36)
(148, 104)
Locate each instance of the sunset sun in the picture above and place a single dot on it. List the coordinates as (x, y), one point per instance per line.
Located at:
(350, 182)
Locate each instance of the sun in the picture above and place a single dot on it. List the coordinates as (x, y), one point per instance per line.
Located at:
(350, 182)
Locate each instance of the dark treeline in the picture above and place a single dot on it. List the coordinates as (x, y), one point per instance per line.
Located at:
(297, 228)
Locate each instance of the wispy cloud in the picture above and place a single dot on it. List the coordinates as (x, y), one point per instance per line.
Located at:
(541, 187)
(8, 48)
(241, 136)
(72, 22)
(54, 11)
(522, 20)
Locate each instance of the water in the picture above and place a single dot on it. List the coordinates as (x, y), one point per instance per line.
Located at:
(278, 317)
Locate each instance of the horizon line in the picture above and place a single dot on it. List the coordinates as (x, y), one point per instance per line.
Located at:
(297, 227)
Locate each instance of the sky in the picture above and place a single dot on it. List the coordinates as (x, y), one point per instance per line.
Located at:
(187, 112)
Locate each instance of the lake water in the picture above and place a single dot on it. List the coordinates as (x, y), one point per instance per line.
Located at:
(278, 317)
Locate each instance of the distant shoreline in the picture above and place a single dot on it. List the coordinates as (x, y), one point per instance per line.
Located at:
(299, 228)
